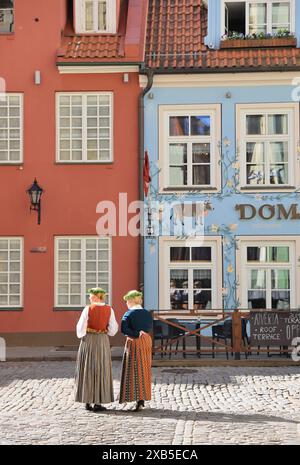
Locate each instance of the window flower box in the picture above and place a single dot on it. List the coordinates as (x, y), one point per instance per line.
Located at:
(259, 43)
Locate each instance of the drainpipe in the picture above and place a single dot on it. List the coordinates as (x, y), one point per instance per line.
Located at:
(149, 74)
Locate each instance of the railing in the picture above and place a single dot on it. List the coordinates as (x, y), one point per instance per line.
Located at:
(171, 329)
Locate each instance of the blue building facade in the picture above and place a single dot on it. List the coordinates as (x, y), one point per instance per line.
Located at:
(226, 140)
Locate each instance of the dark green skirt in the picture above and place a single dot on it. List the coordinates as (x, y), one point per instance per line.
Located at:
(93, 379)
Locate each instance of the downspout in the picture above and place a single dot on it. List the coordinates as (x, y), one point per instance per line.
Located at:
(149, 74)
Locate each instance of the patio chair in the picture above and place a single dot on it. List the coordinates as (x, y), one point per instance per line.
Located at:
(224, 332)
(160, 332)
(173, 334)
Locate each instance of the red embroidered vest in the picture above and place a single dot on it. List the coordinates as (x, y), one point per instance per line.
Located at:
(99, 316)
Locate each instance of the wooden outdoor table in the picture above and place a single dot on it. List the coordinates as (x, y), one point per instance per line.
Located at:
(199, 318)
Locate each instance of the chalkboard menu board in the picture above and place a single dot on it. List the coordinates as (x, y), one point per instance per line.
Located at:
(274, 328)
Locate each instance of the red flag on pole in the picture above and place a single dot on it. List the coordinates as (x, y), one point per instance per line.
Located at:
(146, 173)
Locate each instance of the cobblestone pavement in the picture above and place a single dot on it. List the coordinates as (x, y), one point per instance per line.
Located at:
(189, 406)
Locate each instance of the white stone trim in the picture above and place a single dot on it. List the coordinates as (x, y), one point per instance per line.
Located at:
(214, 111)
(97, 69)
(216, 266)
(79, 17)
(292, 109)
(82, 271)
(292, 241)
(9, 272)
(222, 79)
(4, 96)
(84, 128)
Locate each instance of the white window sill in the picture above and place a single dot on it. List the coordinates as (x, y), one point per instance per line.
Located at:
(66, 309)
(269, 188)
(82, 162)
(191, 189)
(11, 309)
(13, 163)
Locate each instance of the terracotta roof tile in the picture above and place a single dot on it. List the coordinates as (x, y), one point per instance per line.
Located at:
(92, 47)
(175, 40)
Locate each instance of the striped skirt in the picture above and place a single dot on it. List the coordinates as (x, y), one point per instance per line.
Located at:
(136, 370)
(93, 379)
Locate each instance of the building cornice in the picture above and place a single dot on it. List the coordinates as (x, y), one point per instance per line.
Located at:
(240, 79)
(84, 68)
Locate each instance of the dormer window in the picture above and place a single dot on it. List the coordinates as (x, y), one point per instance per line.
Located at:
(95, 16)
(6, 16)
(258, 17)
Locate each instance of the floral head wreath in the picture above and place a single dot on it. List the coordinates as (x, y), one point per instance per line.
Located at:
(96, 290)
(132, 295)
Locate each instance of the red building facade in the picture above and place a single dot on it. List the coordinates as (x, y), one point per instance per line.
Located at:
(69, 118)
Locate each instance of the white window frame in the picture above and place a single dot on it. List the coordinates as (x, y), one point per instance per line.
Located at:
(259, 241)
(269, 14)
(21, 239)
(165, 243)
(83, 271)
(292, 110)
(111, 18)
(21, 97)
(9, 13)
(165, 112)
(84, 128)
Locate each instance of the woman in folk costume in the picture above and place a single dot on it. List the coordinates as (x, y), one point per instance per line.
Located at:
(137, 358)
(94, 382)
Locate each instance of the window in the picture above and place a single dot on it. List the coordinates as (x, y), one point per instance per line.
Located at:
(6, 16)
(235, 17)
(257, 16)
(188, 275)
(81, 263)
(95, 16)
(11, 128)
(11, 272)
(268, 136)
(268, 274)
(189, 153)
(84, 127)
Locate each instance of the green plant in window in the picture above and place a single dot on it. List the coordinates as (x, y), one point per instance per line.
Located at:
(279, 34)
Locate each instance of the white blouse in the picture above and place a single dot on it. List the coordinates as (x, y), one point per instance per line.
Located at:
(83, 321)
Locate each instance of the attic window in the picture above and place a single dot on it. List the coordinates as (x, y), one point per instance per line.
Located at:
(235, 17)
(6, 16)
(256, 16)
(95, 16)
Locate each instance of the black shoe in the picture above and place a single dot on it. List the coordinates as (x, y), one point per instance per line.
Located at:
(139, 405)
(99, 408)
(88, 407)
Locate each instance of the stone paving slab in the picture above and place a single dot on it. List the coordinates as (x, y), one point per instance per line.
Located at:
(232, 405)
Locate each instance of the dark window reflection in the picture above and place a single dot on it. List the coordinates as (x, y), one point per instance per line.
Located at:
(280, 299)
(200, 125)
(201, 153)
(179, 299)
(257, 299)
(179, 296)
(278, 254)
(179, 254)
(202, 299)
(201, 175)
(255, 124)
(179, 126)
(257, 254)
(201, 254)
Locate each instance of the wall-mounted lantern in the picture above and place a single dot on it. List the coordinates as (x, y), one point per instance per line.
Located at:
(35, 193)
